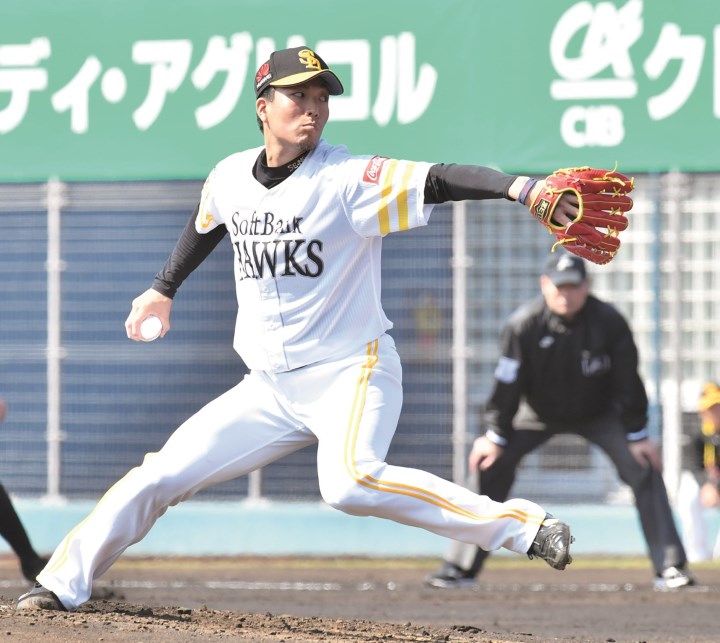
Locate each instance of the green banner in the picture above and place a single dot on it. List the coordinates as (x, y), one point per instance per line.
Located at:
(98, 90)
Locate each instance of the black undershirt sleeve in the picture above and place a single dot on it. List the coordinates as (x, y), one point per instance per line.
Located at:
(466, 182)
(190, 251)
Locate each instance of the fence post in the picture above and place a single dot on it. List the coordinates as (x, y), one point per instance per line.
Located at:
(460, 352)
(656, 408)
(672, 427)
(54, 349)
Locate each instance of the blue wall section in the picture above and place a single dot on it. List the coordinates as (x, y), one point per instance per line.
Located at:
(313, 529)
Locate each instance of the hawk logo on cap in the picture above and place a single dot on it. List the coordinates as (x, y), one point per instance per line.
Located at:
(307, 58)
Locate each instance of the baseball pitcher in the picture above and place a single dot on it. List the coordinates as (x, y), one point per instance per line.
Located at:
(306, 220)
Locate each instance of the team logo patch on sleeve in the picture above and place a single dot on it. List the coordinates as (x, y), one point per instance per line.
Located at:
(506, 370)
(374, 169)
(205, 220)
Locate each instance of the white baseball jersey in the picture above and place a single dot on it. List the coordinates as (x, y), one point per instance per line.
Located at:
(307, 252)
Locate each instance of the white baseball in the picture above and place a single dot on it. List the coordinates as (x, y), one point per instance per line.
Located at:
(150, 328)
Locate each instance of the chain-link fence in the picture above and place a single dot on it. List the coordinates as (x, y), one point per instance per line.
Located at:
(85, 404)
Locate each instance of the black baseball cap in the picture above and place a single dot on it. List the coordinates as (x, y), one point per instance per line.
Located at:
(563, 268)
(294, 66)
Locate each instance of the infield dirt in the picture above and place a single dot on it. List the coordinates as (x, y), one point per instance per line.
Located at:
(267, 600)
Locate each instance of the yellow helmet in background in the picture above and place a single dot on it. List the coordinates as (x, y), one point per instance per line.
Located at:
(709, 397)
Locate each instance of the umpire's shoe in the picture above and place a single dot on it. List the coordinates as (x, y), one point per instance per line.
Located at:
(552, 543)
(40, 598)
(450, 576)
(674, 578)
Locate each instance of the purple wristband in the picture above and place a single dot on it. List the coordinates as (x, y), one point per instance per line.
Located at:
(526, 190)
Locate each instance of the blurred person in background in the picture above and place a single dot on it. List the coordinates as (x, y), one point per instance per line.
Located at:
(12, 530)
(699, 488)
(569, 364)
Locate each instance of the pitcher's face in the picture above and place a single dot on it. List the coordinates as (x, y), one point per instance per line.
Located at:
(295, 119)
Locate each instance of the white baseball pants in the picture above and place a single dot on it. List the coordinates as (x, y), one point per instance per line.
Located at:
(350, 406)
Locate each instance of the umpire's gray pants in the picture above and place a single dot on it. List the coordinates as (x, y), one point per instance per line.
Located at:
(607, 432)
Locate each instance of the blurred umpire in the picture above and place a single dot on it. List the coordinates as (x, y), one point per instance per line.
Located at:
(569, 364)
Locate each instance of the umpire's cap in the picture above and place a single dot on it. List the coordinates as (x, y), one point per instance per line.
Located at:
(563, 268)
(294, 66)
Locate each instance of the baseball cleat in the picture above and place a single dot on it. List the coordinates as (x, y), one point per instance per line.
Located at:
(40, 598)
(674, 578)
(552, 543)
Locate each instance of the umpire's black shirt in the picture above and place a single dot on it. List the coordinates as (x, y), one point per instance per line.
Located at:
(567, 371)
